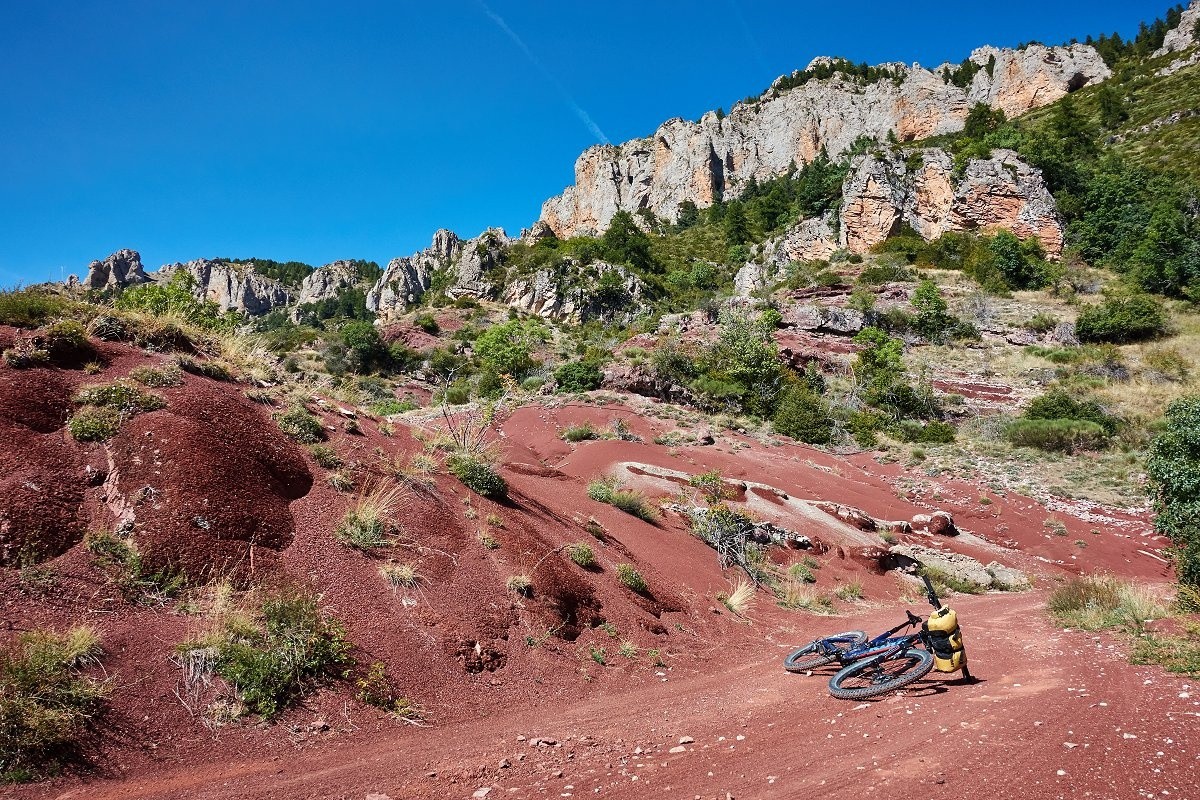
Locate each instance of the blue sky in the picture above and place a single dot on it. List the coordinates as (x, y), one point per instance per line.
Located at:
(323, 130)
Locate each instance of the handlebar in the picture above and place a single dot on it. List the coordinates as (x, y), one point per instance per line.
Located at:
(930, 594)
(913, 619)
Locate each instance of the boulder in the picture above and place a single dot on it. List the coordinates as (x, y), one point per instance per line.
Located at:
(854, 517)
(956, 565)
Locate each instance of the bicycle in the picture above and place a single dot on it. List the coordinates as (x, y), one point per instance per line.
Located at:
(886, 662)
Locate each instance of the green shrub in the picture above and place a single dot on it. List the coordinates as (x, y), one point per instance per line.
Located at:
(1056, 435)
(929, 433)
(803, 416)
(300, 425)
(601, 489)
(582, 554)
(631, 579)
(94, 424)
(801, 572)
(326, 456)
(158, 377)
(427, 323)
(634, 503)
(29, 308)
(26, 353)
(386, 408)
(1095, 602)
(478, 476)
(1058, 404)
(378, 689)
(578, 376)
(1173, 467)
(1120, 320)
(271, 660)
(579, 433)
(212, 370)
(457, 395)
(944, 582)
(46, 705)
(67, 342)
(122, 397)
(1042, 322)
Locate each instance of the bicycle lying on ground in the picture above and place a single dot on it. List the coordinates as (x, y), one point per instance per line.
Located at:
(888, 661)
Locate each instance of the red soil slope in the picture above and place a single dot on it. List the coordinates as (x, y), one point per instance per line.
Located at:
(487, 665)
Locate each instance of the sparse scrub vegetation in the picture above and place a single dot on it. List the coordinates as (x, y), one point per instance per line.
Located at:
(520, 584)
(607, 490)
(300, 424)
(1096, 602)
(46, 702)
(945, 582)
(739, 598)
(371, 523)
(582, 554)
(631, 579)
(478, 476)
(125, 568)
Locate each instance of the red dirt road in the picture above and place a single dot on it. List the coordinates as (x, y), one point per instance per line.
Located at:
(1055, 715)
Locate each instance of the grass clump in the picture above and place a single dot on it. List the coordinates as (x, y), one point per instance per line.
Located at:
(370, 523)
(799, 597)
(401, 576)
(29, 308)
(945, 582)
(607, 490)
(801, 573)
(739, 598)
(26, 353)
(520, 584)
(1095, 602)
(275, 653)
(582, 554)
(326, 456)
(125, 569)
(478, 476)
(597, 654)
(631, 579)
(94, 424)
(1172, 653)
(158, 377)
(849, 591)
(580, 433)
(377, 688)
(46, 704)
(123, 397)
(301, 425)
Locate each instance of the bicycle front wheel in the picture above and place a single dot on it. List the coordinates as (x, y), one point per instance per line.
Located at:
(817, 654)
(869, 678)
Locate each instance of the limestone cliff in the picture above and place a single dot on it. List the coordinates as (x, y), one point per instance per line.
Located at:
(233, 287)
(1184, 35)
(703, 161)
(122, 268)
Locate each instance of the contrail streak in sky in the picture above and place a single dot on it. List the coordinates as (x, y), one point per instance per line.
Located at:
(584, 117)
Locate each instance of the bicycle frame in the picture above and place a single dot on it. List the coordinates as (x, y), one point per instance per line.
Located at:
(886, 644)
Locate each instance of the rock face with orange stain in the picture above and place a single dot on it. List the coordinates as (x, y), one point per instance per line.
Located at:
(884, 192)
(715, 157)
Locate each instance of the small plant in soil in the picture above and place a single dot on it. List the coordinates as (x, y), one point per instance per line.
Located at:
(1096, 602)
(631, 579)
(46, 703)
(162, 377)
(712, 486)
(94, 424)
(301, 425)
(582, 554)
(797, 596)
(628, 650)
(371, 524)
(597, 654)
(326, 456)
(341, 480)
(519, 584)
(400, 576)
(655, 658)
(606, 490)
(945, 582)
(593, 527)
(739, 598)
(489, 542)
(478, 476)
(270, 653)
(124, 398)
(377, 688)
(125, 569)
(801, 572)
(580, 433)
(494, 521)
(850, 591)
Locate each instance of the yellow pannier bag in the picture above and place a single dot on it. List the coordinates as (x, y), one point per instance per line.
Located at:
(945, 640)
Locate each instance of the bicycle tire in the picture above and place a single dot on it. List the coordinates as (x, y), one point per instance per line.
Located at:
(796, 661)
(880, 677)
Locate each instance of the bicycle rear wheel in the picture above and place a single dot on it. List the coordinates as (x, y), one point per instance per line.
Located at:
(869, 678)
(813, 655)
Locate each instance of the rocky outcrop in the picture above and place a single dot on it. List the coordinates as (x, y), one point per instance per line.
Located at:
(324, 283)
(472, 266)
(233, 287)
(578, 293)
(884, 192)
(123, 268)
(1183, 35)
(713, 158)
(808, 240)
